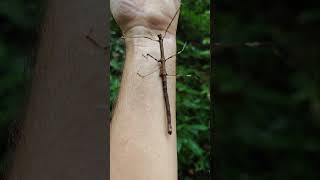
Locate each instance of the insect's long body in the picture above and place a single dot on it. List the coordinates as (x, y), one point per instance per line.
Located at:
(163, 75)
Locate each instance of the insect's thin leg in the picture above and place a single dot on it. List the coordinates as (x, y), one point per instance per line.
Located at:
(125, 37)
(184, 46)
(171, 21)
(187, 75)
(151, 57)
(143, 76)
(171, 56)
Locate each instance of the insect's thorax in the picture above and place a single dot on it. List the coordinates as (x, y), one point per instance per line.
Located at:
(161, 46)
(163, 68)
(162, 58)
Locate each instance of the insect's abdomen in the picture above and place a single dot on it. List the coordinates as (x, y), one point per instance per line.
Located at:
(166, 99)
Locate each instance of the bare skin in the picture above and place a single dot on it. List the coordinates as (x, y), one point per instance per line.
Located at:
(140, 147)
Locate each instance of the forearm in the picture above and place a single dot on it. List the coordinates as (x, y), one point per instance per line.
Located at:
(139, 143)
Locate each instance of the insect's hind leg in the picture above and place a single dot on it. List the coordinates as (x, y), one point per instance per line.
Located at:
(143, 76)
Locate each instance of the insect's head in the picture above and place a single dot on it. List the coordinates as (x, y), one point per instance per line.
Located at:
(160, 36)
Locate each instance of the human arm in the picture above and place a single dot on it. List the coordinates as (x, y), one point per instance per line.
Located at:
(140, 147)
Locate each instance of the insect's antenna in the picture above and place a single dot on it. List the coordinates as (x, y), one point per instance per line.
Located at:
(125, 37)
(171, 21)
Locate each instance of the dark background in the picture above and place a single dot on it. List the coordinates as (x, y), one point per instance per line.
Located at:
(266, 99)
(19, 27)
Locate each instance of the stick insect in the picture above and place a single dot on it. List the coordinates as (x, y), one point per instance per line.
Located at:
(163, 73)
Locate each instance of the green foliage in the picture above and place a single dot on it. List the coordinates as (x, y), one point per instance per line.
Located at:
(193, 95)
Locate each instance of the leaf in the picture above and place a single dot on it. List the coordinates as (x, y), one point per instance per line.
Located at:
(194, 147)
(206, 41)
(199, 127)
(179, 146)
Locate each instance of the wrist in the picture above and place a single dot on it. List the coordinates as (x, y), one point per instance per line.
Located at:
(144, 36)
(137, 48)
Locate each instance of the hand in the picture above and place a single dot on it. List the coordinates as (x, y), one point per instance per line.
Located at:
(150, 14)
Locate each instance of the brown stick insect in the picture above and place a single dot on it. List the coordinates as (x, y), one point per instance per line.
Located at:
(163, 73)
